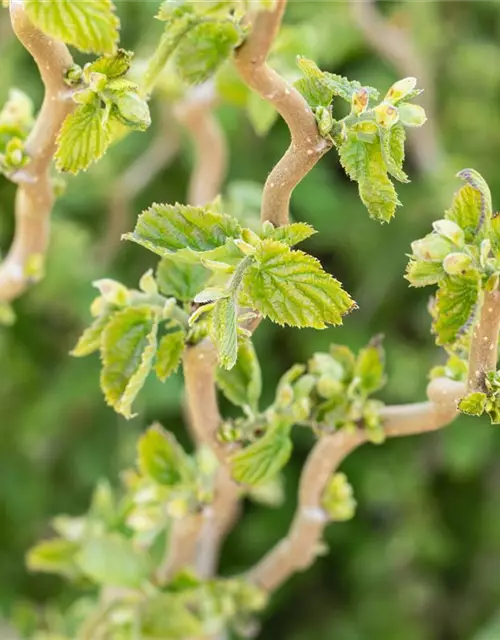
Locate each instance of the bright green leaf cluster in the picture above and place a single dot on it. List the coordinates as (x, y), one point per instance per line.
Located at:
(107, 102)
(337, 499)
(88, 25)
(259, 271)
(370, 140)
(477, 403)
(134, 331)
(16, 121)
(461, 256)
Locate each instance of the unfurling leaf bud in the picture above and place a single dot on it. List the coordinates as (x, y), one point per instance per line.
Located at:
(386, 115)
(112, 291)
(400, 89)
(359, 101)
(456, 263)
(411, 115)
(147, 283)
(284, 396)
(433, 248)
(328, 386)
(132, 111)
(97, 81)
(450, 230)
(73, 75)
(325, 121)
(338, 500)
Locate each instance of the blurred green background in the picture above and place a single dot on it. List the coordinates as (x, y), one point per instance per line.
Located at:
(421, 560)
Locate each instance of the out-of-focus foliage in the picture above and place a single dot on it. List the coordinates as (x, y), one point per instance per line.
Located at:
(420, 560)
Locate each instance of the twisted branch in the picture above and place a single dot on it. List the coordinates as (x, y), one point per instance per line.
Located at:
(299, 548)
(484, 346)
(35, 195)
(397, 47)
(307, 146)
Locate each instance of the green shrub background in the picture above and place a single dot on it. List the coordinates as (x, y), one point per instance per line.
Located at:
(421, 560)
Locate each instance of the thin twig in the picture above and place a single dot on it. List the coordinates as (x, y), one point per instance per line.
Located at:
(35, 194)
(397, 47)
(307, 146)
(300, 547)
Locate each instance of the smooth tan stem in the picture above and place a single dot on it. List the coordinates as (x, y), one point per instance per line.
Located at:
(307, 146)
(484, 346)
(300, 547)
(397, 47)
(196, 115)
(35, 194)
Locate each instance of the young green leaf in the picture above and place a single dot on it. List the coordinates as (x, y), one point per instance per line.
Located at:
(290, 234)
(168, 615)
(113, 560)
(166, 229)
(89, 25)
(181, 280)
(392, 143)
(313, 86)
(466, 211)
(477, 182)
(263, 459)
(161, 457)
(224, 331)
(473, 404)
(290, 287)
(113, 66)
(369, 367)
(54, 556)
(90, 340)
(83, 138)
(127, 351)
(422, 273)
(169, 354)
(242, 385)
(456, 301)
(204, 48)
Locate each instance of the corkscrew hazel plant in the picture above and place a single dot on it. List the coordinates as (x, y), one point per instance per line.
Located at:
(151, 550)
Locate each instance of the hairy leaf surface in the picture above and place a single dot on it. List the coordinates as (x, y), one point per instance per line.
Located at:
(169, 354)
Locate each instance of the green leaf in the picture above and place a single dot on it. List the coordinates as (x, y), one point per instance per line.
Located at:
(422, 273)
(161, 457)
(262, 460)
(475, 180)
(290, 287)
(113, 560)
(224, 331)
(89, 25)
(261, 113)
(168, 615)
(180, 279)
(169, 354)
(313, 86)
(473, 404)
(54, 556)
(127, 351)
(84, 138)
(456, 301)
(243, 384)
(204, 48)
(466, 212)
(290, 234)
(166, 229)
(90, 340)
(113, 66)
(369, 367)
(392, 143)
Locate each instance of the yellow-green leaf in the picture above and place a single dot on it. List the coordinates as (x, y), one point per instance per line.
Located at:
(242, 385)
(89, 25)
(84, 138)
(224, 331)
(161, 457)
(456, 301)
(169, 354)
(90, 340)
(181, 280)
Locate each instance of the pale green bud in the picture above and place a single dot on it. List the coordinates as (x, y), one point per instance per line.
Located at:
(131, 110)
(301, 409)
(359, 101)
(456, 263)
(285, 396)
(386, 115)
(304, 385)
(401, 89)
(433, 248)
(73, 75)
(411, 115)
(113, 292)
(251, 237)
(245, 247)
(451, 230)
(97, 82)
(325, 121)
(147, 283)
(328, 386)
(323, 363)
(338, 500)
(34, 267)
